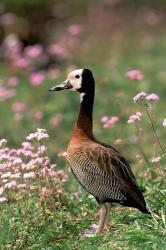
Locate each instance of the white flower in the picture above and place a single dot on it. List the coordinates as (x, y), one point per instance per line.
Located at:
(164, 123)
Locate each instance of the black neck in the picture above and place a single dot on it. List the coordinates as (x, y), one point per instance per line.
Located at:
(84, 120)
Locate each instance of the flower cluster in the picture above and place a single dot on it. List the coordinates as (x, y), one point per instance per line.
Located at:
(35, 56)
(152, 97)
(135, 74)
(39, 135)
(27, 168)
(135, 117)
(109, 122)
(156, 159)
(141, 96)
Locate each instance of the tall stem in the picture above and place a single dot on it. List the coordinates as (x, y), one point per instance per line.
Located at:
(153, 128)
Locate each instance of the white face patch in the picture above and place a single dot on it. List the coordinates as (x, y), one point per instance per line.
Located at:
(82, 97)
(75, 78)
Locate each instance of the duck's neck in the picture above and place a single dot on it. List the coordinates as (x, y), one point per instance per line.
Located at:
(84, 123)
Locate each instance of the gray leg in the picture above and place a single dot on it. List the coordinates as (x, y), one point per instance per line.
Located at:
(104, 215)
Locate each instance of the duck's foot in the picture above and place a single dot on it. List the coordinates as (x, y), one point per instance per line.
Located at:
(91, 231)
(95, 230)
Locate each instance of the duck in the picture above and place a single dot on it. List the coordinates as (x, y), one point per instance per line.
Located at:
(99, 168)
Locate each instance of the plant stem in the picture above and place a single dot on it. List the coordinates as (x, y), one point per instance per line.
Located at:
(153, 128)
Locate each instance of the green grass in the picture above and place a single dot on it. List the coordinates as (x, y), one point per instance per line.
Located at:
(62, 228)
(35, 228)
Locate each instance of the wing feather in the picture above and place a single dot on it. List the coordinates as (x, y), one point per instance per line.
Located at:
(110, 160)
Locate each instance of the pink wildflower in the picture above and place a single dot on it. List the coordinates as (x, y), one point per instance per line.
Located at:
(7, 19)
(6, 93)
(135, 75)
(19, 107)
(74, 29)
(13, 81)
(3, 199)
(135, 117)
(56, 119)
(12, 185)
(27, 145)
(6, 175)
(39, 115)
(109, 122)
(21, 62)
(164, 123)
(37, 78)
(104, 119)
(42, 149)
(33, 51)
(152, 97)
(21, 186)
(39, 135)
(29, 175)
(156, 159)
(139, 97)
(17, 176)
(58, 49)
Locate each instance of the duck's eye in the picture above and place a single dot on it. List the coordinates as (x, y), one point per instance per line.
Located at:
(77, 76)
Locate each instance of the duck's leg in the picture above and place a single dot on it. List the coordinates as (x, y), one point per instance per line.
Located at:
(104, 215)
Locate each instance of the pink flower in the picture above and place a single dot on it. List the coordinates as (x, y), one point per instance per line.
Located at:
(6, 93)
(7, 19)
(74, 29)
(13, 81)
(6, 175)
(19, 107)
(39, 115)
(156, 159)
(37, 78)
(58, 49)
(21, 62)
(11, 185)
(135, 117)
(3, 199)
(39, 135)
(26, 145)
(57, 119)
(17, 175)
(21, 186)
(104, 119)
(135, 75)
(164, 123)
(139, 97)
(33, 51)
(152, 97)
(42, 149)
(29, 175)
(109, 122)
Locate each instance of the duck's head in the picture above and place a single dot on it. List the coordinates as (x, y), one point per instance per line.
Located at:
(80, 80)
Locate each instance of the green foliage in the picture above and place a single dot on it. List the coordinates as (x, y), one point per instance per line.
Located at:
(38, 227)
